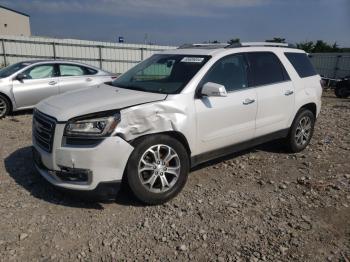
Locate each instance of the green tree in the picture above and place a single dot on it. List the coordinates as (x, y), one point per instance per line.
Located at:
(234, 41)
(319, 47)
(276, 40)
(307, 46)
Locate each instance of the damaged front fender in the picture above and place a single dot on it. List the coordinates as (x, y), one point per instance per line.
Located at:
(163, 116)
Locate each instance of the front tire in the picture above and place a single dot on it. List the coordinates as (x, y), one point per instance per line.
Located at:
(157, 169)
(301, 131)
(4, 106)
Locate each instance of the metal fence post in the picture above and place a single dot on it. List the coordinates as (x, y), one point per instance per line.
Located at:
(142, 54)
(4, 51)
(54, 50)
(336, 66)
(100, 55)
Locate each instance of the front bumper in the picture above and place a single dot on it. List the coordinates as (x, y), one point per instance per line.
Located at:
(103, 163)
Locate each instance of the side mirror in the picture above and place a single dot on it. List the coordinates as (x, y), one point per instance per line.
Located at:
(213, 89)
(21, 76)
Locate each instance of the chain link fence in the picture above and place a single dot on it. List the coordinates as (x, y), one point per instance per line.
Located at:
(331, 65)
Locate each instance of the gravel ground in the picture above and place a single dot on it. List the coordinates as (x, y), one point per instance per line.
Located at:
(260, 205)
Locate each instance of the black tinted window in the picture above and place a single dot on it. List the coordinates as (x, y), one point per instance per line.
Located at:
(302, 64)
(266, 69)
(230, 71)
(90, 71)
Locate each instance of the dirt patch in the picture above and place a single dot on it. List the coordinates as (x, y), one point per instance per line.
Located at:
(259, 205)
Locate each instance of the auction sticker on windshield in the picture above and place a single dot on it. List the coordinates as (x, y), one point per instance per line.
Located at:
(192, 59)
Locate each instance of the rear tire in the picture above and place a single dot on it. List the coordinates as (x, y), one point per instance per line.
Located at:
(157, 169)
(5, 106)
(301, 131)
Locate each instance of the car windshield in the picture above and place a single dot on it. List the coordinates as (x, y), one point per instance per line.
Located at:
(165, 74)
(9, 70)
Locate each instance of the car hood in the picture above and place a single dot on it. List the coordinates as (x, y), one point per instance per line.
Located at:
(92, 100)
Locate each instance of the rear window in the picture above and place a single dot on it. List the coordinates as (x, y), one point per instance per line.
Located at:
(266, 69)
(302, 64)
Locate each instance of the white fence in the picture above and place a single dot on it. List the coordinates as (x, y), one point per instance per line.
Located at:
(117, 58)
(113, 57)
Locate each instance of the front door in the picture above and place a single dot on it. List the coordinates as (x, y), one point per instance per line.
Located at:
(225, 121)
(39, 83)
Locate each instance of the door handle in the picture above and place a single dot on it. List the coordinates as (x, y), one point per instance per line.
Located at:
(52, 83)
(248, 101)
(289, 92)
(88, 79)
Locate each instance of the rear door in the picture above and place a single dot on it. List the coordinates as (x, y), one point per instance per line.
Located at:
(275, 92)
(74, 77)
(224, 121)
(41, 82)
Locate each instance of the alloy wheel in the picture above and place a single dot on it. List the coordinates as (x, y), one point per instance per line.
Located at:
(159, 168)
(303, 131)
(3, 107)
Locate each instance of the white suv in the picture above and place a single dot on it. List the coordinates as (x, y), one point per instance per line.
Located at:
(173, 111)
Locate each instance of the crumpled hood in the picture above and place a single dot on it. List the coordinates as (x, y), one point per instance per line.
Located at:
(95, 99)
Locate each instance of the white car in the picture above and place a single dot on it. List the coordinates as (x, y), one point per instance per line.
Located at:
(24, 84)
(173, 111)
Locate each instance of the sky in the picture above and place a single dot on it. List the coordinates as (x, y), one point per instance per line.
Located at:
(175, 22)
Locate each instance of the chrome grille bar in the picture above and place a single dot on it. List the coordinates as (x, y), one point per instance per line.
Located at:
(43, 130)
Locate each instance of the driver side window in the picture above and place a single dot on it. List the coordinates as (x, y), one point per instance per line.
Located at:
(40, 72)
(230, 71)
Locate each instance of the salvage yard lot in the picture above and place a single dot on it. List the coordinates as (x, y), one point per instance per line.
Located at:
(259, 205)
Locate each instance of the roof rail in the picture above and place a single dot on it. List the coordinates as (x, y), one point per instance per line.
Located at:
(249, 44)
(204, 46)
(235, 45)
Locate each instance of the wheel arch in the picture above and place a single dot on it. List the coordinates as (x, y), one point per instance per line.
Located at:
(310, 106)
(174, 134)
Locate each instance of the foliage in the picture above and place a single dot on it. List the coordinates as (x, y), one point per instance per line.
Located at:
(277, 40)
(306, 46)
(234, 41)
(318, 47)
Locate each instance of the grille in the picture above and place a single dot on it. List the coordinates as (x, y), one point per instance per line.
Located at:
(43, 130)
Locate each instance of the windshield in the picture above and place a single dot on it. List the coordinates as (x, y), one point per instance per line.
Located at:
(165, 74)
(7, 71)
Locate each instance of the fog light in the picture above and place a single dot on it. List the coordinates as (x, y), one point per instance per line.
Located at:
(74, 175)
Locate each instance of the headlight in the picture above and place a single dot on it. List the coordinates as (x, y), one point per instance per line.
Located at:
(98, 126)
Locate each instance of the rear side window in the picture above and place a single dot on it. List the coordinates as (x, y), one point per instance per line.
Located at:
(302, 64)
(75, 70)
(266, 69)
(71, 70)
